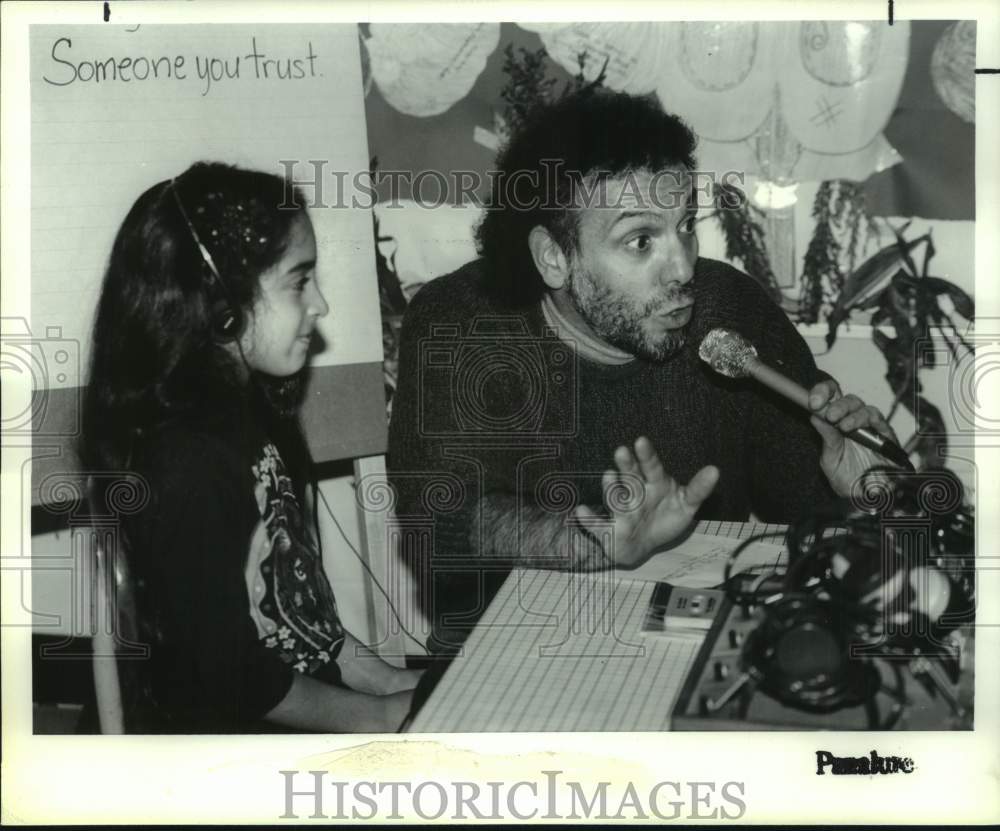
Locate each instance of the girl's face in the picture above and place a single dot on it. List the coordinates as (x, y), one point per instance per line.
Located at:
(276, 340)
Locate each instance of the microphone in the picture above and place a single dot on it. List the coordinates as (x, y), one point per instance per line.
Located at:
(732, 355)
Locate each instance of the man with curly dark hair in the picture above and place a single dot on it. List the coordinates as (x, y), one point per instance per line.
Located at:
(552, 410)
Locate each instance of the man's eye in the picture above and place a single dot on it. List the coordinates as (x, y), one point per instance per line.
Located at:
(688, 225)
(640, 242)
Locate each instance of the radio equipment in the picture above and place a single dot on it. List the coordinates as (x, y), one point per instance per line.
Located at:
(868, 627)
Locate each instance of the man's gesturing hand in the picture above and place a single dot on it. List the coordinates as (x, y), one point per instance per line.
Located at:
(649, 508)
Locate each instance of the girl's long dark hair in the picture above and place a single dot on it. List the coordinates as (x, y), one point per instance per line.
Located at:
(155, 356)
(158, 356)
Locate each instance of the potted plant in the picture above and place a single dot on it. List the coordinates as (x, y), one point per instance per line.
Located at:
(906, 306)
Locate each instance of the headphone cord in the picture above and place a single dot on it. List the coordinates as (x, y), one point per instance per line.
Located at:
(316, 491)
(364, 565)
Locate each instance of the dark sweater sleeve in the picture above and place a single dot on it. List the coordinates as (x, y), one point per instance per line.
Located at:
(425, 464)
(211, 673)
(444, 452)
(442, 459)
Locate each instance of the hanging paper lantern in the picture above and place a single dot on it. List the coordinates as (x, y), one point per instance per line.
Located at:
(821, 92)
(719, 78)
(839, 53)
(840, 93)
(422, 69)
(953, 66)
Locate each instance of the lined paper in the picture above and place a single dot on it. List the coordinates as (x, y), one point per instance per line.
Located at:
(699, 562)
(559, 651)
(105, 128)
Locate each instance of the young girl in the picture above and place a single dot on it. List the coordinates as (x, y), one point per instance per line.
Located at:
(203, 328)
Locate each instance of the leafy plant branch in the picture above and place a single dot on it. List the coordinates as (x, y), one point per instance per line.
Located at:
(908, 299)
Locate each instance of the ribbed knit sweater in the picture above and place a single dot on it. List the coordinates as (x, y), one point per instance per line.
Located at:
(491, 400)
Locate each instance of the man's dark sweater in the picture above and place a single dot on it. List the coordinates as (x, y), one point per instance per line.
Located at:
(491, 401)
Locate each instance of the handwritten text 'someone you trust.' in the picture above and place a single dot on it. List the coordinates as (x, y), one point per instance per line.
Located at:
(69, 67)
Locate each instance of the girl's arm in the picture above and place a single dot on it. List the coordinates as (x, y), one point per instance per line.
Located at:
(362, 669)
(314, 706)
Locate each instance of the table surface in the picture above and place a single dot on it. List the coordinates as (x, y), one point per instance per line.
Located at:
(562, 651)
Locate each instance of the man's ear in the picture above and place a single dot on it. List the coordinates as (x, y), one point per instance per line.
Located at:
(549, 258)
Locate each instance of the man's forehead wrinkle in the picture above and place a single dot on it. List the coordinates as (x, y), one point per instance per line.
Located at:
(630, 193)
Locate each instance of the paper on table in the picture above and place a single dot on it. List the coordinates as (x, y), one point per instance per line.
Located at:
(560, 651)
(699, 561)
(563, 650)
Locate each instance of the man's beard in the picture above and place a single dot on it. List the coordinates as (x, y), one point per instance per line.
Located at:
(618, 320)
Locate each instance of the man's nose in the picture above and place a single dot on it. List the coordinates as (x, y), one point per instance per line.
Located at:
(679, 266)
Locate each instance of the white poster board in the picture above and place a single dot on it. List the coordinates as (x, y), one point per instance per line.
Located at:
(115, 109)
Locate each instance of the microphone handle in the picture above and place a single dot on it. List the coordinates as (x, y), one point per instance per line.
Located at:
(798, 394)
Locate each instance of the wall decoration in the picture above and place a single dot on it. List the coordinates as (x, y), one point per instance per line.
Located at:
(953, 66)
(629, 55)
(422, 69)
(830, 86)
(787, 102)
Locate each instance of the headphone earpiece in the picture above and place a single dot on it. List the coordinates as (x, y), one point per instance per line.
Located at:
(226, 320)
(226, 324)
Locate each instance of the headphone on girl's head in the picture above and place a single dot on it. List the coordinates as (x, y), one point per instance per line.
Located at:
(226, 316)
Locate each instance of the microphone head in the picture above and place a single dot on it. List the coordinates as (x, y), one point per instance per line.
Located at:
(727, 352)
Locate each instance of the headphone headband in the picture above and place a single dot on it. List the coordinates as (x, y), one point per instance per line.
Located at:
(224, 317)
